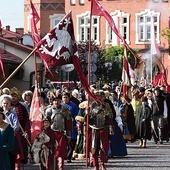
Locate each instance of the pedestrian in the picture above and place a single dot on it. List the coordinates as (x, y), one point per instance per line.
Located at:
(74, 112)
(61, 124)
(159, 114)
(44, 146)
(27, 99)
(12, 119)
(128, 119)
(101, 128)
(24, 123)
(143, 122)
(79, 151)
(6, 142)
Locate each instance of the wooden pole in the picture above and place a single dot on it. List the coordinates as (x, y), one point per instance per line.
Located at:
(15, 71)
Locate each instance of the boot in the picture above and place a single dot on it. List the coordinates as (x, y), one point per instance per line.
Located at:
(60, 163)
(95, 163)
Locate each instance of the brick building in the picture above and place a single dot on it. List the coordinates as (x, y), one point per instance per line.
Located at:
(135, 19)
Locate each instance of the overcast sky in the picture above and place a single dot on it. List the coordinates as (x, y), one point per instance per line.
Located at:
(12, 13)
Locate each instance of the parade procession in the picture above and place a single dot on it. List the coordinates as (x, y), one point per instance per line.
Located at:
(84, 81)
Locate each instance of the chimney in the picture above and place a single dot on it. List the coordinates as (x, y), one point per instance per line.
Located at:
(8, 28)
(20, 31)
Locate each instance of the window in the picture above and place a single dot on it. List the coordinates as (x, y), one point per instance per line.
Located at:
(72, 2)
(144, 23)
(55, 19)
(121, 21)
(83, 27)
(81, 2)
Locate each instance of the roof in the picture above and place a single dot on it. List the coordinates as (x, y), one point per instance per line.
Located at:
(7, 57)
(10, 34)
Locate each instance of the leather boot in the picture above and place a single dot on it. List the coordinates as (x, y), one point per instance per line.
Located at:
(60, 163)
(95, 163)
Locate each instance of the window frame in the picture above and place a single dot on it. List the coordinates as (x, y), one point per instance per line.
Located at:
(118, 17)
(86, 26)
(146, 25)
(55, 17)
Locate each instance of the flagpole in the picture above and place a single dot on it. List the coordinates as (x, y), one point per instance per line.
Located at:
(88, 100)
(15, 71)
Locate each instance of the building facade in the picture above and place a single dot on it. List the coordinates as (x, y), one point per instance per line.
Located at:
(136, 20)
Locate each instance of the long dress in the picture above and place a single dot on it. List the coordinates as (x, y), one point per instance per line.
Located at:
(7, 143)
(117, 146)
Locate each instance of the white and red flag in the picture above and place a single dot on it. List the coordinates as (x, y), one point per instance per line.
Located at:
(35, 115)
(126, 83)
(58, 48)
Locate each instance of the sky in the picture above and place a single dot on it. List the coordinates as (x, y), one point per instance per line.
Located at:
(12, 13)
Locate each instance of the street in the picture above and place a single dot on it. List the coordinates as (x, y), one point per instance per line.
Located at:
(154, 157)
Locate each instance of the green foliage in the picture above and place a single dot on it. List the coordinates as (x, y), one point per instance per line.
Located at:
(166, 33)
(113, 55)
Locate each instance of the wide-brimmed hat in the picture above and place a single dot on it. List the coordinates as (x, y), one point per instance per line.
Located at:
(83, 104)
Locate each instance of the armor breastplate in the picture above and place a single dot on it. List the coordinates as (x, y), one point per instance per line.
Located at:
(58, 122)
(98, 118)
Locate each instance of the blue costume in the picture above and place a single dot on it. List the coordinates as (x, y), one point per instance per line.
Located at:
(6, 145)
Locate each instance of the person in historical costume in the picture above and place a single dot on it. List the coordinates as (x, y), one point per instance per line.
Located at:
(160, 113)
(6, 142)
(61, 124)
(143, 122)
(44, 146)
(136, 101)
(128, 119)
(101, 125)
(74, 112)
(24, 133)
(117, 145)
(79, 151)
(12, 119)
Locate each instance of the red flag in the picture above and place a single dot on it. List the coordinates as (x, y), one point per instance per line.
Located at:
(35, 115)
(34, 18)
(126, 78)
(58, 47)
(97, 9)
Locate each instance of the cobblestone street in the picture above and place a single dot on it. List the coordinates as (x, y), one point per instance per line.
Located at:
(154, 157)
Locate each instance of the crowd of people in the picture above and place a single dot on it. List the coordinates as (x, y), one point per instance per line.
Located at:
(76, 126)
